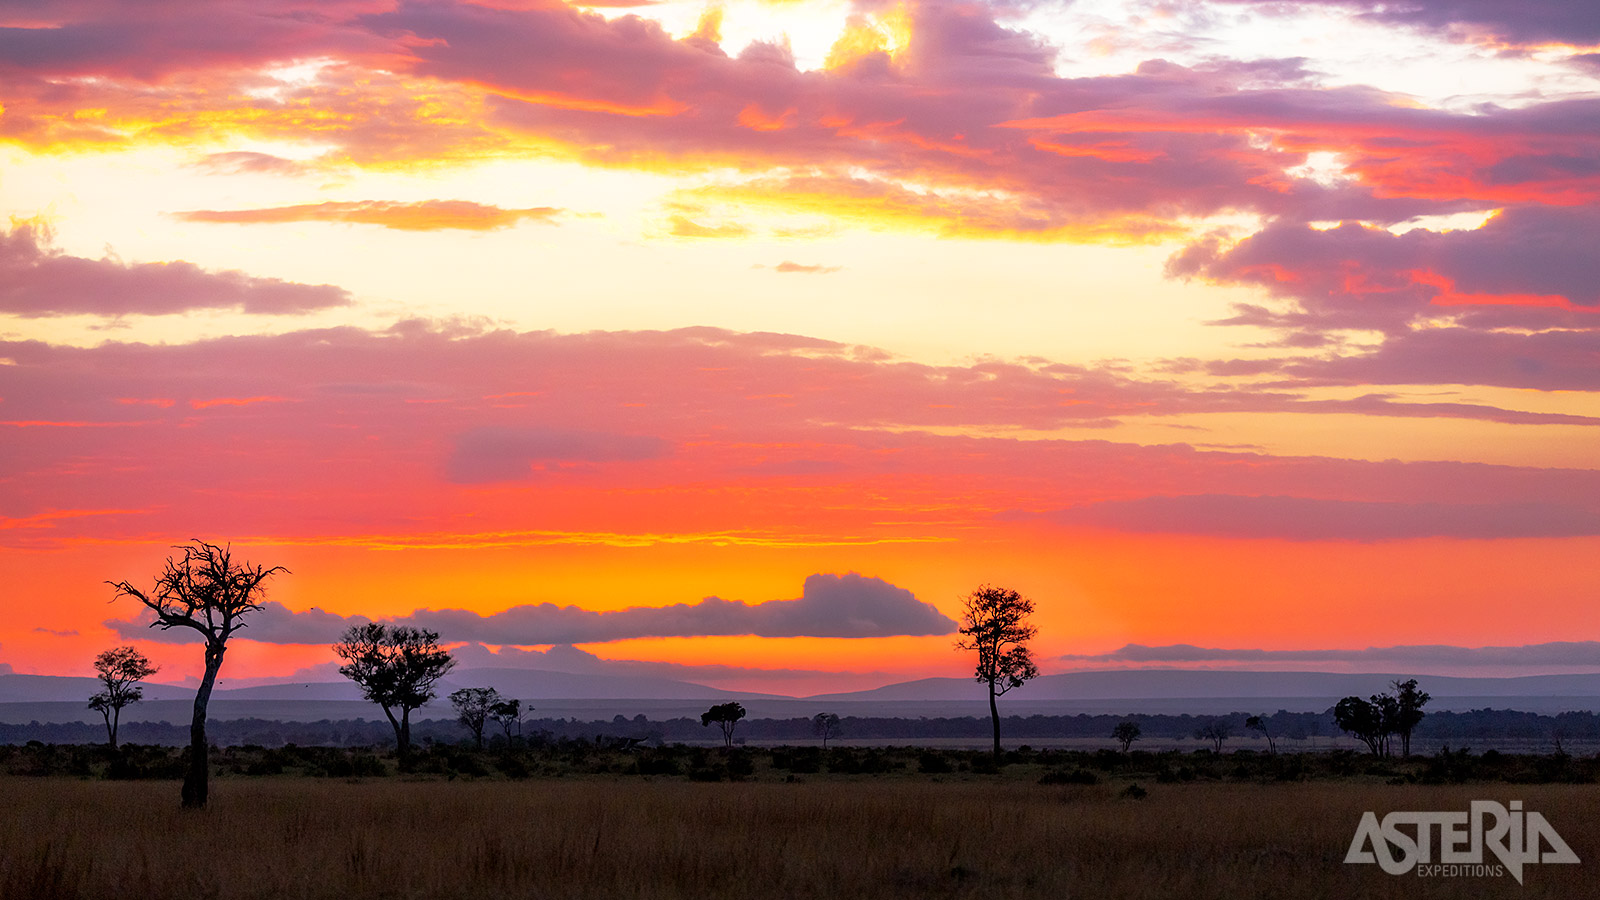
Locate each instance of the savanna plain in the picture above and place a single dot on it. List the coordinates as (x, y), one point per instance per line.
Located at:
(999, 835)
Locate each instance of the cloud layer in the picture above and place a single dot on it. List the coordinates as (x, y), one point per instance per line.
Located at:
(788, 434)
(37, 281)
(1307, 519)
(422, 215)
(933, 117)
(1550, 654)
(830, 606)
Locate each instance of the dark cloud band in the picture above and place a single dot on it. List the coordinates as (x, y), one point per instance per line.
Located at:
(1554, 653)
(833, 606)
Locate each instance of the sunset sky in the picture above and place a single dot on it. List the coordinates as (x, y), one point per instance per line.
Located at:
(735, 342)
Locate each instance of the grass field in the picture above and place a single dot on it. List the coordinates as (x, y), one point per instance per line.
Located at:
(291, 837)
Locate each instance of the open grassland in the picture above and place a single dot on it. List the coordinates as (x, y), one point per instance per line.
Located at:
(607, 837)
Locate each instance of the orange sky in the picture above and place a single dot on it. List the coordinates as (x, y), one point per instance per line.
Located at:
(1242, 332)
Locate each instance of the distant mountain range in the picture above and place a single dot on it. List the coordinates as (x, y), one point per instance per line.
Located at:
(25, 698)
(526, 684)
(1165, 684)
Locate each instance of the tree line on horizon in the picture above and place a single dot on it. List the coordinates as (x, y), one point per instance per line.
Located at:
(398, 667)
(1295, 732)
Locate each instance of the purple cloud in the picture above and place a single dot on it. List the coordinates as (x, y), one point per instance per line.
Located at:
(836, 606)
(493, 454)
(1554, 653)
(1307, 519)
(273, 623)
(37, 281)
(1572, 22)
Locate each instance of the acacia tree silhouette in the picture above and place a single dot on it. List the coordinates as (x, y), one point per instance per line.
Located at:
(1263, 725)
(994, 624)
(396, 667)
(1365, 720)
(726, 715)
(473, 707)
(506, 712)
(1216, 731)
(825, 725)
(207, 591)
(120, 670)
(1408, 711)
(1126, 733)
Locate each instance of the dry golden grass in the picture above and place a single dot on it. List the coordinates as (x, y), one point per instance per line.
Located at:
(307, 838)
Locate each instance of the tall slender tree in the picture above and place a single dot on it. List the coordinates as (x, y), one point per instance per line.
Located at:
(397, 668)
(825, 725)
(120, 670)
(994, 623)
(1409, 701)
(1263, 724)
(203, 589)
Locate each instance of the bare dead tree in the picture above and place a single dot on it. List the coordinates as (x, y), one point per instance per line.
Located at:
(206, 590)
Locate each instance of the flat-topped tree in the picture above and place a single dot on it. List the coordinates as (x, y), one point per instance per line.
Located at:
(206, 590)
(727, 716)
(505, 713)
(120, 670)
(396, 667)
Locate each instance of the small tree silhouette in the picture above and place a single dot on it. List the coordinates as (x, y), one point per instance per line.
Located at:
(473, 707)
(1408, 711)
(1216, 731)
(1260, 723)
(207, 591)
(825, 725)
(120, 670)
(994, 624)
(726, 715)
(506, 713)
(396, 667)
(1126, 733)
(1365, 720)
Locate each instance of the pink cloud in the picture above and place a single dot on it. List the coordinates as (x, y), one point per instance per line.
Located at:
(1306, 519)
(423, 215)
(1571, 22)
(787, 267)
(968, 105)
(1512, 303)
(571, 434)
(37, 281)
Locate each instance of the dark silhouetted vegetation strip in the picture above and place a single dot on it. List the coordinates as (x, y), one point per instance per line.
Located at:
(1296, 730)
(548, 758)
